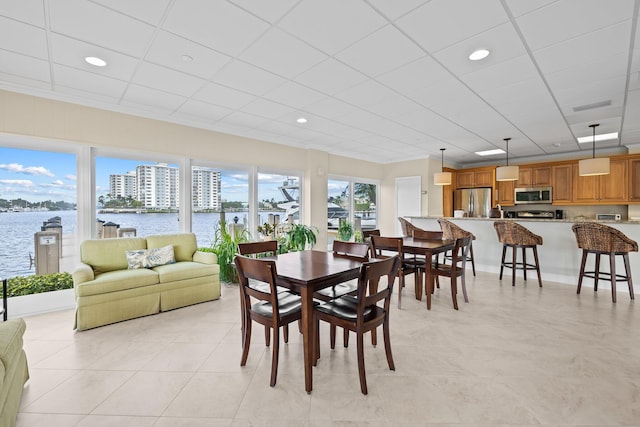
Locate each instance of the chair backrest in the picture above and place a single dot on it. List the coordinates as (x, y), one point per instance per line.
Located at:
(368, 233)
(512, 233)
(266, 247)
(352, 250)
(370, 275)
(460, 252)
(452, 231)
(407, 227)
(261, 270)
(381, 243)
(593, 236)
(427, 235)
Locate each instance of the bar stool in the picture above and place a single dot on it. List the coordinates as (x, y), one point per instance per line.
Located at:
(451, 231)
(600, 239)
(513, 235)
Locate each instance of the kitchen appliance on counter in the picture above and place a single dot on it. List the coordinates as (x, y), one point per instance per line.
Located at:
(476, 202)
(608, 217)
(532, 195)
(559, 214)
(536, 214)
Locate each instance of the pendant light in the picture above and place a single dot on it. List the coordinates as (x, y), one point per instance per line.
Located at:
(442, 177)
(594, 166)
(507, 173)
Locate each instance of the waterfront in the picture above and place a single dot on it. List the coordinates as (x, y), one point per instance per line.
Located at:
(17, 231)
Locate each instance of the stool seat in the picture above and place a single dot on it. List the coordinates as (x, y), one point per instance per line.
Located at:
(600, 239)
(513, 235)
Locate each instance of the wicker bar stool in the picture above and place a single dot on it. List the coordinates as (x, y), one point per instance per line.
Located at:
(407, 227)
(513, 235)
(600, 239)
(452, 231)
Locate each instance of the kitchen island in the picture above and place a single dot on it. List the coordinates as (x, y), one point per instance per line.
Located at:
(559, 255)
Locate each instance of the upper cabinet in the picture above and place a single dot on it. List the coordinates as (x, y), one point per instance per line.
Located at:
(474, 178)
(634, 179)
(505, 192)
(561, 183)
(602, 189)
(535, 176)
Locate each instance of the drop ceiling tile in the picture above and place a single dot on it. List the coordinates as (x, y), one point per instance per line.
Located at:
(218, 25)
(330, 77)
(564, 20)
(452, 90)
(422, 72)
(530, 92)
(265, 108)
(27, 11)
(606, 126)
(248, 78)
(271, 10)
(383, 51)
(151, 100)
(330, 108)
(519, 8)
(394, 9)
(632, 112)
(18, 83)
(22, 38)
(167, 80)
(71, 52)
(282, 54)
(239, 118)
(366, 93)
(601, 68)
(97, 26)
(331, 25)
(440, 23)
(90, 83)
(602, 90)
(25, 66)
(294, 95)
(394, 106)
(213, 93)
(169, 50)
(149, 11)
(489, 79)
(198, 110)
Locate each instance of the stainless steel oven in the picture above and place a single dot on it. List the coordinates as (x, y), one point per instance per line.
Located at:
(533, 195)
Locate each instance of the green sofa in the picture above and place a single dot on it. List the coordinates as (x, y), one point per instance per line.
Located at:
(13, 370)
(108, 291)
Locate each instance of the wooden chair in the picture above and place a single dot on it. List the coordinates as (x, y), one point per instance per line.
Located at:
(456, 269)
(271, 310)
(600, 239)
(383, 247)
(452, 231)
(366, 236)
(419, 234)
(513, 235)
(363, 314)
(407, 227)
(351, 250)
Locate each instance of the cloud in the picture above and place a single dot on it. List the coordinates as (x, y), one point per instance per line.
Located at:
(71, 177)
(30, 170)
(57, 182)
(17, 182)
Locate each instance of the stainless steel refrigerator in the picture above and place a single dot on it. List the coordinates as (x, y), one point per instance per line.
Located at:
(475, 202)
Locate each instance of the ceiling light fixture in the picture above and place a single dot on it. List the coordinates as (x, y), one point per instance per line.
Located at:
(490, 152)
(442, 178)
(507, 173)
(301, 120)
(479, 54)
(601, 137)
(95, 61)
(593, 166)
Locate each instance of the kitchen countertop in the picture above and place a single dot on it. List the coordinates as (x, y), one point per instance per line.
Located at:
(569, 220)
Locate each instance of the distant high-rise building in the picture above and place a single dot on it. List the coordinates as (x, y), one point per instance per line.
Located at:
(158, 186)
(122, 185)
(205, 189)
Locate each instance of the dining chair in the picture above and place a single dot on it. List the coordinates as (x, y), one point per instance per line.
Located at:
(350, 250)
(456, 269)
(419, 234)
(363, 314)
(366, 236)
(383, 247)
(271, 309)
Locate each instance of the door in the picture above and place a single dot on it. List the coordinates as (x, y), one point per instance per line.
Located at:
(408, 198)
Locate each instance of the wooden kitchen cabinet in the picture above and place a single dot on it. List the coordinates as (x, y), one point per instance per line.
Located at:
(535, 176)
(506, 193)
(602, 189)
(634, 179)
(474, 178)
(561, 183)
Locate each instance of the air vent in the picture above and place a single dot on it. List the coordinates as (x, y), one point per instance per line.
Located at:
(592, 106)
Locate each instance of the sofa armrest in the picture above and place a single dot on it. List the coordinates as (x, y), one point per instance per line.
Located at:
(83, 273)
(205, 257)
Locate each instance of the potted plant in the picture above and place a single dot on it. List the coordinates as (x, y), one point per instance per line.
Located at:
(345, 230)
(225, 246)
(267, 231)
(297, 237)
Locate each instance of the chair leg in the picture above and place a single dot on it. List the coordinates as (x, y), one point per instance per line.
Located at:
(596, 274)
(400, 286)
(514, 255)
(582, 264)
(360, 345)
(504, 253)
(332, 336)
(267, 336)
(473, 260)
(464, 288)
(246, 343)
(274, 358)
(627, 269)
(285, 333)
(345, 337)
(454, 291)
(316, 340)
(387, 344)
(535, 257)
(524, 262)
(612, 264)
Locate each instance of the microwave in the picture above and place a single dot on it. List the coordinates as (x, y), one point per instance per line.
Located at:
(608, 217)
(532, 195)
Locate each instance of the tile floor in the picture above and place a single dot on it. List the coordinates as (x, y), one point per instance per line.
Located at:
(512, 356)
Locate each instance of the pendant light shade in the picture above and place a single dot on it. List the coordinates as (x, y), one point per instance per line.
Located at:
(507, 173)
(594, 166)
(442, 178)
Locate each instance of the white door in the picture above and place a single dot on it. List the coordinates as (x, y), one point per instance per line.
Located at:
(408, 198)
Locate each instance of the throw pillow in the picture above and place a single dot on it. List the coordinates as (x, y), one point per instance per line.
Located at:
(135, 259)
(159, 256)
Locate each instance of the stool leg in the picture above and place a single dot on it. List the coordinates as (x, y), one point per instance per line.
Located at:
(524, 262)
(582, 264)
(504, 252)
(612, 264)
(514, 255)
(627, 269)
(473, 261)
(597, 273)
(535, 257)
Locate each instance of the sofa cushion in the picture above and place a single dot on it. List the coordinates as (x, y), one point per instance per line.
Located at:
(11, 333)
(109, 254)
(119, 280)
(159, 256)
(185, 270)
(184, 244)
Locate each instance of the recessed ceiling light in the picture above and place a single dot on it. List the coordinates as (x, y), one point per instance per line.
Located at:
(490, 152)
(479, 54)
(601, 137)
(94, 60)
(187, 58)
(301, 120)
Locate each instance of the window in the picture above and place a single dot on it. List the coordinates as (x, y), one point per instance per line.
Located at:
(278, 198)
(353, 200)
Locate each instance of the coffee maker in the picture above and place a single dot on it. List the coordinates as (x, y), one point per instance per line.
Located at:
(559, 214)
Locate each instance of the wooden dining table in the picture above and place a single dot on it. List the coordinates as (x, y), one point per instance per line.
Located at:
(428, 248)
(306, 272)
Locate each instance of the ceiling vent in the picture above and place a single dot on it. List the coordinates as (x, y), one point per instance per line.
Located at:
(592, 106)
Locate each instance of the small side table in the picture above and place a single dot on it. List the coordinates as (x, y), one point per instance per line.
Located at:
(3, 309)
